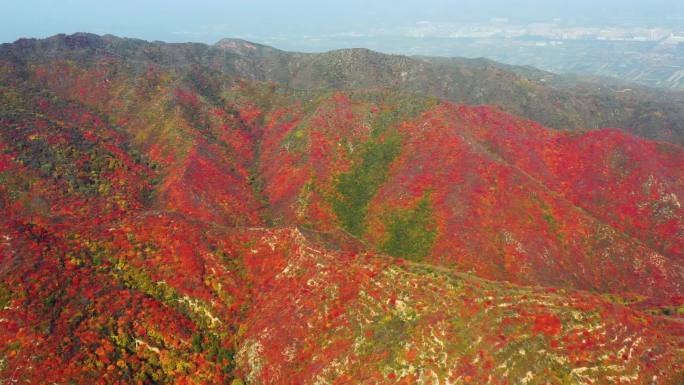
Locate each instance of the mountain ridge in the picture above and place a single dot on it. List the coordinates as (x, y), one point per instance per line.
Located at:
(562, 103)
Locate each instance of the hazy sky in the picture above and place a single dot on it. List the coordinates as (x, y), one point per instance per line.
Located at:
(210, 20)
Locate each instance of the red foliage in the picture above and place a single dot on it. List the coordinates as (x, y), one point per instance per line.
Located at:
(145, 231)
(495, 196)
(207, 187)
(548, 324)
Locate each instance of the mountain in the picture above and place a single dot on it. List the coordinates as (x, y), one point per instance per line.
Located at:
(184, 213)
(561, 102)
(648, 60)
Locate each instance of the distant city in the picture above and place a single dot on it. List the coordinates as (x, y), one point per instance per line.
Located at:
(649, 55)
(502, 28)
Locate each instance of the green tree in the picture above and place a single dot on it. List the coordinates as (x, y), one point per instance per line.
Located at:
(356, 188)
(411, 233)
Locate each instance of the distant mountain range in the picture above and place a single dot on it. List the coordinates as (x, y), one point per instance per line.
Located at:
(650, 57)
(563, 102)
(186, 213)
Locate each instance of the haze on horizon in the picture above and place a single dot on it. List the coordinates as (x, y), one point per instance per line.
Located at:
(268, 21)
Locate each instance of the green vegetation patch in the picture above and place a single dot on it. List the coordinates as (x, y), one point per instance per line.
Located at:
(216, 352)
(5, 296)
(411, 233)
(356, 188)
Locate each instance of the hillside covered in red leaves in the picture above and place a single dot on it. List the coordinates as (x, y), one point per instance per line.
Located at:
(164, 220)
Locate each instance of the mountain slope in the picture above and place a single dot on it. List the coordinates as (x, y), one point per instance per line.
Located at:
(270, 307)
(553, 100)
(168, 219)
(379, 163)
(487, 182)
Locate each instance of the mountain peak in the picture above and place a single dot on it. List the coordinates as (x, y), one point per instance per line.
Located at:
(243, 47)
